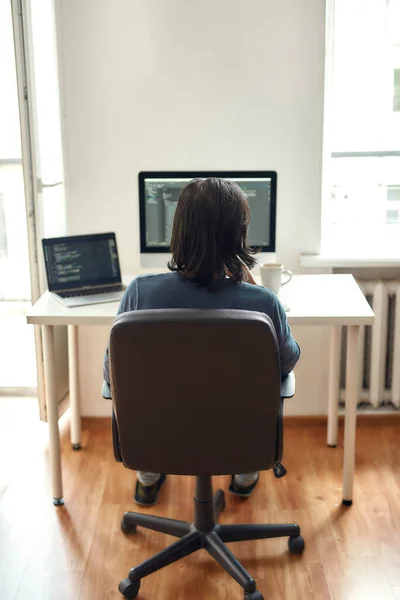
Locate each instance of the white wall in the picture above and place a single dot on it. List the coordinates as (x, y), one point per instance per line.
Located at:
(184, 84)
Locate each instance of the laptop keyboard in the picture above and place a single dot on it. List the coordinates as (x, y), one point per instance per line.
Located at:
(99, 290)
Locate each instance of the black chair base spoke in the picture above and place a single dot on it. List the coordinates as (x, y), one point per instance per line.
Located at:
(212, 538)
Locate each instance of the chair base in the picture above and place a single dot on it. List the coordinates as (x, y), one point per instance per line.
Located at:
(203, 533)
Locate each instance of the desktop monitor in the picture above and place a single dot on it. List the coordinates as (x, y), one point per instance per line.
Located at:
(158, 196)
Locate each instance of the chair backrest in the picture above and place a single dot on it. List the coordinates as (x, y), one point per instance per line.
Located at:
(196, 392)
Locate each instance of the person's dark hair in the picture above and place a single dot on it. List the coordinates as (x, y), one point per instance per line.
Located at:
(209, 232)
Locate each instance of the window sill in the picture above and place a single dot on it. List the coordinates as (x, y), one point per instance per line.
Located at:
(321, 261)
(369, 245)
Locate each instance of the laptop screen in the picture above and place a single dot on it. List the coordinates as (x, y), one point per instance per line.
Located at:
(81, 261)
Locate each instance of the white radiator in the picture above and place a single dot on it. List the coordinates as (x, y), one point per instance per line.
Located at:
(379, 350)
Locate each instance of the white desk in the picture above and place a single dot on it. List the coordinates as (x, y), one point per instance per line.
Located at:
(333, 300)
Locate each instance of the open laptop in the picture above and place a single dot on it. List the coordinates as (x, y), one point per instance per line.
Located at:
(83, 269)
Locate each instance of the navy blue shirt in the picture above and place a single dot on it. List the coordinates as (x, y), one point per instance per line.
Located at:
(169, 290)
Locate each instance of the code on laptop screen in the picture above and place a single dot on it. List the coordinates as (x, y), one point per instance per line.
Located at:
(81, 261)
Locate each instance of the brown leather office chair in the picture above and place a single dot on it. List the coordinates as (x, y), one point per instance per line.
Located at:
(206, 384)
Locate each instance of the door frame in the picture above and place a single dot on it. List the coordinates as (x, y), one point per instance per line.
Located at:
(26, 117)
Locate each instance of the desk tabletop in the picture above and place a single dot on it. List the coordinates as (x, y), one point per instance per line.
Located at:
(313, 300)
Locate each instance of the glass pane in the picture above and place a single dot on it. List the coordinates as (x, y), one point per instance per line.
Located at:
(3, 233)
(10, 141)
(364, 171)
(366, 56)
(361, 189)
(14, 258)
(20, 347)
(393, 193)
(392, 216)
(48, 122)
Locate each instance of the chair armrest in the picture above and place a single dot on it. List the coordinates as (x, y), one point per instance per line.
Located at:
(288, 386)
(106, 391)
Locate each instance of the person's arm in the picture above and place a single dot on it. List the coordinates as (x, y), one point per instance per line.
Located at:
(128, 303)
(289, 350)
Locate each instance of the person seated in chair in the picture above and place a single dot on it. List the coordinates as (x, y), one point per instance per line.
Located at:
(210, 268)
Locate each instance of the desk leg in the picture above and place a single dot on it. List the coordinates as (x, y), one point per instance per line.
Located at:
(333, 397)
(350, 413)
(73, 387)
(52, 414)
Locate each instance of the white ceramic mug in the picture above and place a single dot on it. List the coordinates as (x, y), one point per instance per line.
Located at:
(272, 276)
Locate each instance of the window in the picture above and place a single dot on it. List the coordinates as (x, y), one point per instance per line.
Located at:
(363, 170)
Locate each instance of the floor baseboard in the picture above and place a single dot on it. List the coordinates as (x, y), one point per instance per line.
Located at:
(363, 418)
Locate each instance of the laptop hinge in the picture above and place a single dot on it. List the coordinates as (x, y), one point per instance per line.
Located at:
(88, 287)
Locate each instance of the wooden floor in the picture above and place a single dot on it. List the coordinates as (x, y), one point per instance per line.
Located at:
(78, 552)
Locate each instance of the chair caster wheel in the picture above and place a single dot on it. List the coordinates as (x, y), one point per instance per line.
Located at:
(127, 528)
(76, 446)
(254, 596)
(129, 589)
(296, 544)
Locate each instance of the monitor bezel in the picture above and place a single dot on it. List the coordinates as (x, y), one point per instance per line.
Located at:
(47, 242)
(143, 175)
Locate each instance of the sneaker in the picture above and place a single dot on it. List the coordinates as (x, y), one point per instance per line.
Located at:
(147, 495)
(243, 491)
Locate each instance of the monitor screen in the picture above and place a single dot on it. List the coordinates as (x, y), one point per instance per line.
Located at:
(81, 260)
(159, 193)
